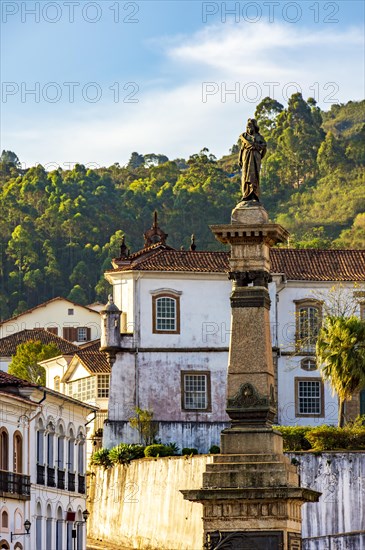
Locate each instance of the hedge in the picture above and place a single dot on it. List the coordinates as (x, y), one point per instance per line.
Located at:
(324, 438)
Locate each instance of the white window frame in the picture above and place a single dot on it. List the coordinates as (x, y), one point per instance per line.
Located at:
(309, 397)
(201, 401)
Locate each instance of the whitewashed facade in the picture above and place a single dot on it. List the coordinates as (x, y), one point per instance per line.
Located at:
(84, 376)
(43, 467)
(179, 370)
(60, 316)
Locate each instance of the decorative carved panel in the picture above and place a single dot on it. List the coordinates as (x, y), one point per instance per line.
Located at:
(245, 540)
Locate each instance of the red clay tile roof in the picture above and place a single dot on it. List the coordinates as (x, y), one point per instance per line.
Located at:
(94, 361)
(7, 379)
(319, 265)
(9, 344)
(93, 345)
(44, 304)
(298, 265)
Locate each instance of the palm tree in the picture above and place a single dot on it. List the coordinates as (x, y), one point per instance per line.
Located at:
(340, 353)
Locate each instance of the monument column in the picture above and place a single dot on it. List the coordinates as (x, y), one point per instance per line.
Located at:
(251, 493)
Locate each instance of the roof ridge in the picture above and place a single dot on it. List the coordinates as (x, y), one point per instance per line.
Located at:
(41, 330)
(43, 304)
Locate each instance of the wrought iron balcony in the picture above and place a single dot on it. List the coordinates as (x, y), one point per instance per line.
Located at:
(14, 485)
(71, 482)
(41, 474)
(81, 484)
(60, 479)
(51, 477)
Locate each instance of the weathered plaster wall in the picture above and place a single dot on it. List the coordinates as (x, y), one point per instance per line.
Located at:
(340, 477)
(200, 435)
(140, 506)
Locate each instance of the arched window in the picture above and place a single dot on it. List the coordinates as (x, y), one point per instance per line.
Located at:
(4, 521)
(18, 546)
(80, 531)
(4, 449)
(18, 520)
(61, 448)
(59, 529)
(40, 443)
(60, 458)
(81, 458)
(57, 383)
(69, 540)
(309, 363)
(166, 312)
(39, 527)
(50, 448)
(4, 545)
(71, 452)
(18, 453)
(49, 531)
(308, 322)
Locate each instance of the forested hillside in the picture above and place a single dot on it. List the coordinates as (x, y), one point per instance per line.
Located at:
(60, 229)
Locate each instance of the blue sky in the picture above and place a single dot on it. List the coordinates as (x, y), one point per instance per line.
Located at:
(112, 77)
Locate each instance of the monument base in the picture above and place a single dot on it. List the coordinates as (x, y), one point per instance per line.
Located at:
(251, 441)
(249, 212)
(251, 495)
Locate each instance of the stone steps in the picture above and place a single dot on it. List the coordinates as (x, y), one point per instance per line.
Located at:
(273, 457)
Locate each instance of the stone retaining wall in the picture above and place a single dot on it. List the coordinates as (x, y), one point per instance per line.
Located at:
(139, 506)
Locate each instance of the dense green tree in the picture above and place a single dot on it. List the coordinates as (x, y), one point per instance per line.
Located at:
(355, 236)
(330, 154)
(59, 230)
(9, 157)
(340, 353)
(136, 160)
(25, 365)
(266, 114)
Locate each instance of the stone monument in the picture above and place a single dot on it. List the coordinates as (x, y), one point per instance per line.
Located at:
(251, 493)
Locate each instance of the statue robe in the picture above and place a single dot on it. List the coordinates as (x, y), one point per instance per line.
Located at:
(253, 149)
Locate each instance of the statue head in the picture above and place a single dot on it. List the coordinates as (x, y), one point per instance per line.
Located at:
(252, 126)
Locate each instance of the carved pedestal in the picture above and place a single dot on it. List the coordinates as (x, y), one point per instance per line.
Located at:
(250, 493)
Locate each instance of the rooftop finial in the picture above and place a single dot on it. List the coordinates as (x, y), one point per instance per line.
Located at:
(123, 249)
(155, 234)
(193, 245)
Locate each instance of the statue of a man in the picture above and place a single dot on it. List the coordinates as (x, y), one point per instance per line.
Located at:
(253, 150)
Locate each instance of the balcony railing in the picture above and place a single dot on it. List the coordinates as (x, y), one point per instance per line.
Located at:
(60, 479)
(14, 485)
(51, 477)
(40, 474)
(71, 482)
(81, 484)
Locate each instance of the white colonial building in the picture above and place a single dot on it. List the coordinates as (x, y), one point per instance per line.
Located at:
(60, 316)
(83, 375)
(42, 468)
(171, 356)
(10, 343)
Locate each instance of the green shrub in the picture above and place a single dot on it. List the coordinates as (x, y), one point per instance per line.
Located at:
(357, 439)
(189, 451)
(101, 458)
(158, 450)
(295, 437)
(329, 438)
(215, 450)
(124, 453)
(174, 448)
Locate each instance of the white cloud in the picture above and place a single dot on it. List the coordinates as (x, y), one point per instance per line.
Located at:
(173, 119)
